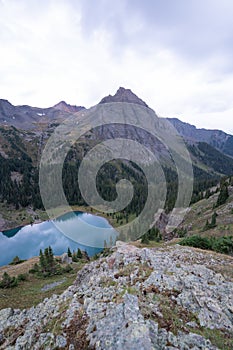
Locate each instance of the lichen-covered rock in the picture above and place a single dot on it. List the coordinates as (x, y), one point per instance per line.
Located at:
(163, 298)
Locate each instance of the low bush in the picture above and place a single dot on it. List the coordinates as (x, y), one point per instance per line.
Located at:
(8, 281)
(16, 261)
(152, 235)
(197, 242)
(222, 245)
(22, 277)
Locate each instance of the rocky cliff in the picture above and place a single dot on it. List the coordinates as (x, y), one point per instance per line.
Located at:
(167, 298)
(123, 95)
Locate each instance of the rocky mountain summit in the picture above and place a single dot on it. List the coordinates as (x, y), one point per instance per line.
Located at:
(65, 107)
(124, 95)
(162, 298)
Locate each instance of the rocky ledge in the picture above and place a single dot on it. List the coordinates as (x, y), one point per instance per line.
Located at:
(166, 298)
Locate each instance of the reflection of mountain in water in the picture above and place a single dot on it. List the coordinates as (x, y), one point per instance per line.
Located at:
(27, 241)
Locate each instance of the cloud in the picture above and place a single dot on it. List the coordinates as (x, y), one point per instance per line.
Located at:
(176, 55)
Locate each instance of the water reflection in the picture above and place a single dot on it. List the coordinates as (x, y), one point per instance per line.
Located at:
(28, 240)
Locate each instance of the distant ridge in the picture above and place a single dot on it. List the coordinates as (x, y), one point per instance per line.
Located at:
(216, 138)
(65, 107)
(124, 95)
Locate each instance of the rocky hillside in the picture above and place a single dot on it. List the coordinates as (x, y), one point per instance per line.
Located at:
(203, 210)
(166, 298)
(33, 118)
(216, 138)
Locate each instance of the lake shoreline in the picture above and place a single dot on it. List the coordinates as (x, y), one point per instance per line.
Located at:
(39, 216)
(64, 231)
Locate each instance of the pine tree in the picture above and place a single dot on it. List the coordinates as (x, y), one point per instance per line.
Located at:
(213, 220)
(42, 261)
(223, 195)
(69, 253)
(111, 241)
(145, 239)
(79, 254)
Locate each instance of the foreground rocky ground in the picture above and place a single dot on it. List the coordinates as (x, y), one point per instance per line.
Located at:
(135, 299)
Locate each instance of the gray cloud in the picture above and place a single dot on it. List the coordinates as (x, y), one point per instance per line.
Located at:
(194, 29)
(175, 54)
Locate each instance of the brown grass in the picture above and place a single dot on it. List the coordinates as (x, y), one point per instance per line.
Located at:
(15, 270)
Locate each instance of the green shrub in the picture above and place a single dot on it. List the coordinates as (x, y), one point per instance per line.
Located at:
(197, 242)
(222, 245)
(67, 269)
(145, 239)
(152, 235)
(16, 261)
(22, 277)
(180, 232)
(8, 281)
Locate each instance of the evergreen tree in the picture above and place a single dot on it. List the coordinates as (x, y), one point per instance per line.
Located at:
(145, 239)
(111, 241)
(42, 261)
(223, 195)
(69, 253)
(213, 220)
(79, 254)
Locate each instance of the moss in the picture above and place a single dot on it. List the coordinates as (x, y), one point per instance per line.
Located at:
(107, 282)
(55, 324)
(219, 338)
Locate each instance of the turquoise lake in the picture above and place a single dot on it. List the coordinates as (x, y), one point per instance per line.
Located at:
(74, 230)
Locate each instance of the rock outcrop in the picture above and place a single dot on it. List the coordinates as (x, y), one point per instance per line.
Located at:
(124, 95)
(165, 298)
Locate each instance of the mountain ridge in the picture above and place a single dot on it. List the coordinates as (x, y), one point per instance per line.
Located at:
(216, 138)
(22, 145)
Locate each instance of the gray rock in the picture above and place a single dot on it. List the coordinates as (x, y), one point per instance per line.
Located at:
(65, 259)
(116, 301)
(5, 314)
(61, 341)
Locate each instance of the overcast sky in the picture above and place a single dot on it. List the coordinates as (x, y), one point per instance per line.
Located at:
(177, 55)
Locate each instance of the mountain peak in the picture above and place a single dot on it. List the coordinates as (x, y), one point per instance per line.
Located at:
(65, 107)
(124, 95)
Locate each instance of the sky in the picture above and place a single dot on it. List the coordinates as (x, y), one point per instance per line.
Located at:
(177, 55)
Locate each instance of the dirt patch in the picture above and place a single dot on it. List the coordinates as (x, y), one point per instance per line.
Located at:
(15, 270)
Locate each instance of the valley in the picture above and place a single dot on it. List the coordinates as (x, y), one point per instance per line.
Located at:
(158, 291)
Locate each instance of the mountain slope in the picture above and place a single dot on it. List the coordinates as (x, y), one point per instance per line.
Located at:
(216, 138)
(211, 159)
(172, 297)
(198, 214)
(29, 118)
(23, 143)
